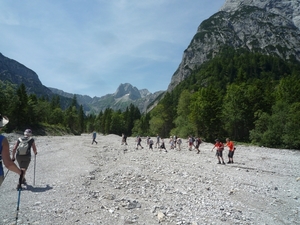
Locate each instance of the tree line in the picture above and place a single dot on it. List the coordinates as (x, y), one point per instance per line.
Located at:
(29, 111)
(246, 96)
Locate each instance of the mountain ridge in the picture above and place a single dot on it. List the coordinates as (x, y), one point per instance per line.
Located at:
(266, 26)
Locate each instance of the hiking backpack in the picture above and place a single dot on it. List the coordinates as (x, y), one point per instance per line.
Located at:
(24, 147)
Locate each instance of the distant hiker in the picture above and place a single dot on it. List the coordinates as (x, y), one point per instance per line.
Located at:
(150, 143)
(162, 146)
(231, 149)
(147, 140)
(220, 147)
(197, 144)
(175, 140)
(157, 141)
(138, 140)
(124, 139)
(23, 149)
(94, 137)
(179, 142)
(171, 142)
(4, 153)
(190, 142)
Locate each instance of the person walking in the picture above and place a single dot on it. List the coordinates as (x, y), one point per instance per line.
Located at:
(179, 142)
(162, 146)
(138, 140)
(197, 144)
(190, 143)
(220, 147)
(171, 142)
(4, 153)
(94, 137)
(22, 151)
(231, 149)
(124, 139)
(150, 143)
(157, 141)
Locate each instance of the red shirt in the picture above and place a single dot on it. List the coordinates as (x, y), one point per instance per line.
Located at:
(230, 145)
(219, 146)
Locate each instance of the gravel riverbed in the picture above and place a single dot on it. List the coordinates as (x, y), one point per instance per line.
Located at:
(109, 183)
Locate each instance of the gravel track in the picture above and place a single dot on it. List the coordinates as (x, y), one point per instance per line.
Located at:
(108, 183)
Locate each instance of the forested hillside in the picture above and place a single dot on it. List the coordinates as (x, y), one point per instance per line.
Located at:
(241, 95)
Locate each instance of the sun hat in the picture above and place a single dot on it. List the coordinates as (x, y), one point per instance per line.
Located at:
(3, 120)
(27, 132)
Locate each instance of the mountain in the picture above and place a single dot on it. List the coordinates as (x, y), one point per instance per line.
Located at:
(16, 73)
(271, 27)
(125, 95)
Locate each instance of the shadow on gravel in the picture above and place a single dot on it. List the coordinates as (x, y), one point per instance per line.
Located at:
(38, 189)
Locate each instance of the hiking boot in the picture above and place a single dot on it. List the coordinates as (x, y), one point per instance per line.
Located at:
(228, 162)
(19, 187)
(24, 181)
(219, 162)
(224, 163)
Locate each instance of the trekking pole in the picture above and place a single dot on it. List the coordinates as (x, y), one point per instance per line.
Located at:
(19, 195)
(34, 170)
(6, 174)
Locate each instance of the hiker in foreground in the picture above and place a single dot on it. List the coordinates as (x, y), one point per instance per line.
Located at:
(220, 147)
(4, 153)
(23, 150)
(231, 149)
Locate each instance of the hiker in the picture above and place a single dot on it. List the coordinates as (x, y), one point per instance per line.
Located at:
(179, 142)
(157, 141)
(171, 142)
(231, 149)
(24, 154)
(197, 144)
(150, 143)
(147, 140)
(94, 137)
(162, 146)
(220, 147)
(190, 143)
(175, 140)
(138, 140)
(4, 153)
(124, 139)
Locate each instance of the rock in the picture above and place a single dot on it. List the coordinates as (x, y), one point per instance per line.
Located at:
(160, 216)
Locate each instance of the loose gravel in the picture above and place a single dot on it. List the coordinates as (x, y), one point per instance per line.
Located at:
(109, 183)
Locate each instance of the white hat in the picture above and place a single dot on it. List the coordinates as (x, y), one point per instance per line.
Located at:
(3, 121)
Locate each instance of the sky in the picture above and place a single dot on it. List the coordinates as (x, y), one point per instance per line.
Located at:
(90, 47)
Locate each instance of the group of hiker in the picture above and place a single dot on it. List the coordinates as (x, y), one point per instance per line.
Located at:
(176, 142)
(193, 143)
(21, 152)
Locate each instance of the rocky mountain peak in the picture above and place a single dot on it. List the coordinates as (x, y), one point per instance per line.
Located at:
(270, 27)
(127, 89)
(289, 9)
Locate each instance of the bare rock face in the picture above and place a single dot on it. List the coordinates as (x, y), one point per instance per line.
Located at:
(267, 26)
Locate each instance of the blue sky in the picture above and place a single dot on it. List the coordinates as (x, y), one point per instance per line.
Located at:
(90, 47)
